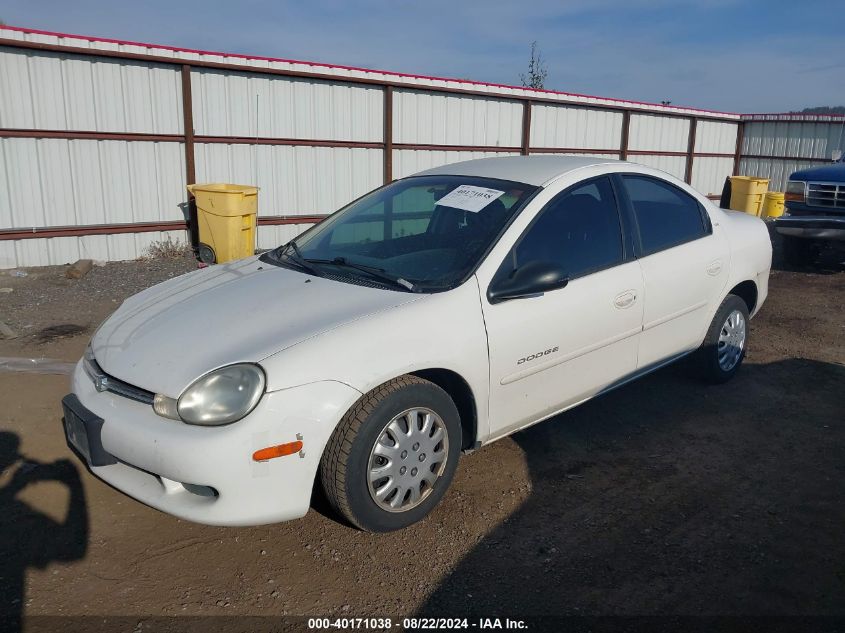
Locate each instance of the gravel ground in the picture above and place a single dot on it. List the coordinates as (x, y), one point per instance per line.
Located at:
(663, 497)
(46, 298)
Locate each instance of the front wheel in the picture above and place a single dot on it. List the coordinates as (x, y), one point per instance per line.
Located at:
(393, 455)
(723, 349)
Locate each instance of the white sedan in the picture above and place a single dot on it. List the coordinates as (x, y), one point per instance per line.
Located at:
(432, 316)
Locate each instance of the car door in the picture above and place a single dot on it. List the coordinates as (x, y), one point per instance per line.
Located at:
(684, 259)
(550, 351)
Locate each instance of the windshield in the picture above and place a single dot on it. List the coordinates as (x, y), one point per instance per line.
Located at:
(422, 233)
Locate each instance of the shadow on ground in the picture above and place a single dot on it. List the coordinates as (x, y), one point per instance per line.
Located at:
(28, 537)
(666, 497)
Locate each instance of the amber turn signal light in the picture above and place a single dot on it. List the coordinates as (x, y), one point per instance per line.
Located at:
(291, 448)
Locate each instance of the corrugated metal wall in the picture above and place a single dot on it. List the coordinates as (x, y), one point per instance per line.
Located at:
(62, 250)
(657, 133)
(409, 161)
(793, 138)
(675, 165)
(713, 137)
(708, 174)
(774, 146)
(651, 133)
(59, 182)
(575, 127)
(49, 91)
(91, 144)
(437, 119)
(295, 180)
(248, 105)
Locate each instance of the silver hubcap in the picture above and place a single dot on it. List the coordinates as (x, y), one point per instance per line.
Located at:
(408, 457)
(731, 341)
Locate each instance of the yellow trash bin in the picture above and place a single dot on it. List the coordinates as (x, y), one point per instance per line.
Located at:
(773, 204)
(747, 193)
(226, 217)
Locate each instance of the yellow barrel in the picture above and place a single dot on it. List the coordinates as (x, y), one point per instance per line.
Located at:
(749, 184)
(747, 193)
(772, 204)
(226, 217)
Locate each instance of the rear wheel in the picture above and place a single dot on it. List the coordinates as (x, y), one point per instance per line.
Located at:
(723, 350)
(798, 251)
(392, 457)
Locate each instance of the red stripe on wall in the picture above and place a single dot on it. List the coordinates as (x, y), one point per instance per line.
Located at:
(135, 227)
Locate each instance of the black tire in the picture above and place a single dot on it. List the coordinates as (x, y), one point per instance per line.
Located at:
(345, 464)
(798, 251)
(708, 354)
(206, 254)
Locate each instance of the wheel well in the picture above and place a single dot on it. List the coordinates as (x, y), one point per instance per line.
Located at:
(461, 394)
(747, 291)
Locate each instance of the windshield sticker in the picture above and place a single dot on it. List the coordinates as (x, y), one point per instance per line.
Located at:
(470, 198)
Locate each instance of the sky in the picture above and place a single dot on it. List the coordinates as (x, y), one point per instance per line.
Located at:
(729, 55)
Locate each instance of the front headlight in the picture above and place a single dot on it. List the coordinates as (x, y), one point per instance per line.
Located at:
(795, 191)
(220, 397)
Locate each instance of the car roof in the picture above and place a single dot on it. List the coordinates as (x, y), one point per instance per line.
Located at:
(532, 170)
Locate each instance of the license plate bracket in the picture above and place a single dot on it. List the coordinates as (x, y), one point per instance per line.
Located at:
(83, 431)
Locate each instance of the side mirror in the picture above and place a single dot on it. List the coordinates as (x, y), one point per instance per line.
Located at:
(529, 280)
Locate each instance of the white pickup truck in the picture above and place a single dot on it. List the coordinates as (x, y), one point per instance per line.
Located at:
(436, 314)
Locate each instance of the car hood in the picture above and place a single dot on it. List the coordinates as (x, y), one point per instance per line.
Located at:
(165, 337)
(834, 173)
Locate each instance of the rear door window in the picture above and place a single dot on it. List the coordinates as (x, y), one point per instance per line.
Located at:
(666, 216)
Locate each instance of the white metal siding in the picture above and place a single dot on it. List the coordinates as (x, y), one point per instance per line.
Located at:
(776, 170)
(249, 105)
(411, 80)
(54, 182)
(297, 180)
(714, 137)
(709, 173)
(675, 165)
(64, 250)
(574, 127)
(59, 182)
(49, 91)
(410, 161)
(424, 117)
(272, 236)
(805, 139)
(658, 133)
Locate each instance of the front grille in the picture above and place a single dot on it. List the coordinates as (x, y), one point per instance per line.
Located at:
(105, 382)
(829, 195)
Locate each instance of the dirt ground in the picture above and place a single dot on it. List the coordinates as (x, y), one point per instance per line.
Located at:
(663, 497)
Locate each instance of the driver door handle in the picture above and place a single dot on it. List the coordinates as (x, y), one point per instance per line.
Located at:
(625, 299)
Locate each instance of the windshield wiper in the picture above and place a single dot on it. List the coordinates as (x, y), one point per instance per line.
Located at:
(291, 251)
(379, 273)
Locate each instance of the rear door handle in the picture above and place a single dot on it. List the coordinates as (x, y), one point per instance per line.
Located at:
(714, 267)
(625, 299)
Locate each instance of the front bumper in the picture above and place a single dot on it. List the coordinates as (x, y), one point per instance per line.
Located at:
(822, 227)
(207, 474)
